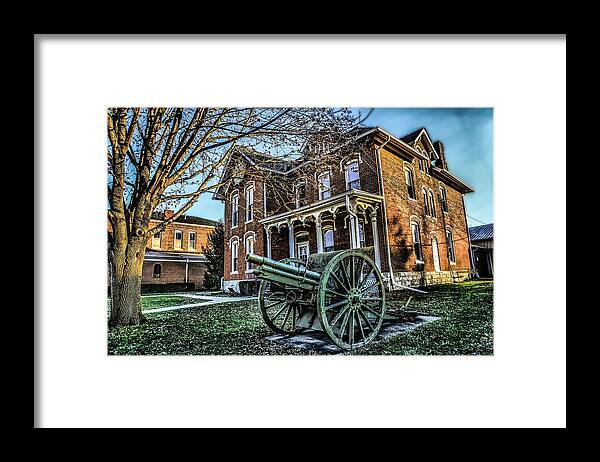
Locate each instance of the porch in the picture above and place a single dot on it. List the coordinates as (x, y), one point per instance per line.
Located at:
(350, 220)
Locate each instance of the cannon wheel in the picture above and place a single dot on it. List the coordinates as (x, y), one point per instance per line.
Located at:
(351, 299)
(277, 305)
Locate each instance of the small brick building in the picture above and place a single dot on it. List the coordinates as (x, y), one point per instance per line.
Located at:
(174, 256)
(394, 194)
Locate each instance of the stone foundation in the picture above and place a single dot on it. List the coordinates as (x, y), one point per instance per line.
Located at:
(421, 279)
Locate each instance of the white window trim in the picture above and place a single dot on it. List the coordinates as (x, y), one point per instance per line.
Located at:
(231, 196)
(452, 262)
(298, 183)
(409, 167)
(249, 236)
(445, 201)
(412, 234)
(175, 239)
(190, 240)
(248, 189)
(234, 240)
(431, 200)
(159, 240)
(321, 190)
(347, 171)
(325, 229)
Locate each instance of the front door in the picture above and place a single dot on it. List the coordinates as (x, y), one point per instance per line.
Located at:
(436, 255)
(303, 250)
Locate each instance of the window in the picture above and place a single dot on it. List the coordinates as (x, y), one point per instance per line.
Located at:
(410, 183)
(300, 193)
(156, 240)
(450, 243)
(156, 270)
(178, 239)
(431, 204)
(234, 210)
(249, 245)
(249, 203)
(324, 186)
(443, 199)
(328, 243)
(234, 256)
(352, 176)
(421, 163)
(361, 234)
(416, 235)
(302, 246)
(192, 241)
(425, 201)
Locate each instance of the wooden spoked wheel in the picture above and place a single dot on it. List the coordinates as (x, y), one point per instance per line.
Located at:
(280, 304)
(351, 300)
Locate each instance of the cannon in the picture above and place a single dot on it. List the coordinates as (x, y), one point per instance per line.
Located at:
(340, 293)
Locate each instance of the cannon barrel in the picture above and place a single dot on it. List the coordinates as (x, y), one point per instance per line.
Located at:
(288, 269)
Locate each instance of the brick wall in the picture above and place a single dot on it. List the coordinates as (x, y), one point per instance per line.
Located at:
(400, 209)
(173, 272)
(167, 241)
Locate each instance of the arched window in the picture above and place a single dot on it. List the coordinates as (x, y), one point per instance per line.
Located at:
(300, 193)
(443, 199)
(249, 247)
(450, 244)
(250, 203)
(324, 186)
(416, 235)
(352, 176)
(410, 183)
(234, 247)
(328, 241)
(425, 201)
(156, 270)
(431, 204)
(235, 202)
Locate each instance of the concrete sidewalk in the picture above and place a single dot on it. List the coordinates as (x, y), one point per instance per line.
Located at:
(212, 300)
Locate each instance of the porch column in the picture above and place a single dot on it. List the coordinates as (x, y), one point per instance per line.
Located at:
(353, 229)
(291, 242)
(269, 242)
(375, 237)
(319, 234)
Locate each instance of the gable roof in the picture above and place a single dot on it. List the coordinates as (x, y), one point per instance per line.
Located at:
(481, 233)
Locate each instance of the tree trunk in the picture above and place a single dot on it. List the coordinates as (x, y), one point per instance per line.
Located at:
(126, 283)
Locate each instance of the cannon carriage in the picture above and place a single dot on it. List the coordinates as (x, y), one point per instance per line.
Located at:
(341, 293)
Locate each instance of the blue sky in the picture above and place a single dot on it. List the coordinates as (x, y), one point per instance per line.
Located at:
(467, 134)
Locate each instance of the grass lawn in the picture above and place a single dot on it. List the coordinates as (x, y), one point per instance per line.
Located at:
(465, 327)
(150, 302)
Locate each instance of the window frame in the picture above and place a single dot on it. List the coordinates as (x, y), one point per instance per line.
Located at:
(408, 171)
(154, 273)
(249, 238)
(426, 201)
(450, 246)
(235, 212)
(325, 230)
(417, 243)
(159, 240)
(297, 185)
(322, 191)
(234, 255)
(432, 212)
(189, 247)
(175, 240)
(444, 199)
(249, 214)
(347, 174)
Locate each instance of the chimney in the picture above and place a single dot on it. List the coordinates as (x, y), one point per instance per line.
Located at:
(439, 147)
(168, 214)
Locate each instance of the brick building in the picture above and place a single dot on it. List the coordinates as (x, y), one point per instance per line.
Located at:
(174, 256)
(394, 194)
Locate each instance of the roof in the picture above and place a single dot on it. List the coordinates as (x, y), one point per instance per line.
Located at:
(481, 233)
(412, 135)
(154, 255)
(189, 219)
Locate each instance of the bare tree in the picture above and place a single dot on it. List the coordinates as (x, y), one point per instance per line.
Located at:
(168, 157)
